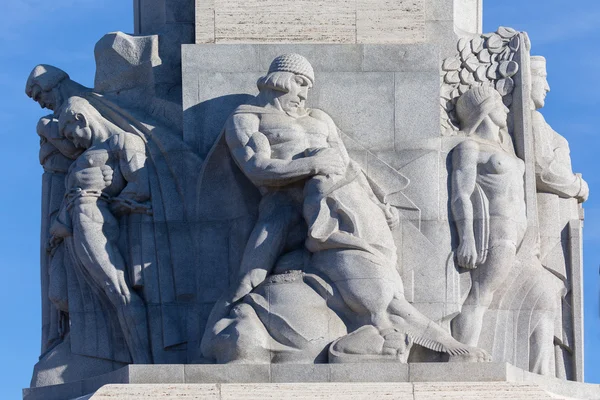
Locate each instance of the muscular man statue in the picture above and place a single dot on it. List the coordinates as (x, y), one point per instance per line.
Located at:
(87, 220)
(554, 173)
(50, 87)
(559, 193)
(270, 141)
(488, 203)
(315, 196)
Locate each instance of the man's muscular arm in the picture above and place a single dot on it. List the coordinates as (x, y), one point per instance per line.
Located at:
(47, 129)
(464, 176)
(554, 173)
(132, 160)
(252, 152)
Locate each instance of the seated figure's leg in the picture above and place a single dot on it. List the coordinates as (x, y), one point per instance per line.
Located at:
(266, 242)
(373, 293)
(487, 278)
(276, 216)
(366, 284)
(369, 299)
(541, 344)
(546, 296)
(95, 231)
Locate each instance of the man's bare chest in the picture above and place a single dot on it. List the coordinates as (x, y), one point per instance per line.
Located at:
(302, 132)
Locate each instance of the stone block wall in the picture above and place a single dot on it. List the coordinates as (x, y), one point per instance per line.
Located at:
(384, 98)
(334, 21)
(151, 16)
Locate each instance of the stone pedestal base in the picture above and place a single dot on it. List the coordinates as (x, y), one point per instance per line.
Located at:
(328, 391)
(446, 381)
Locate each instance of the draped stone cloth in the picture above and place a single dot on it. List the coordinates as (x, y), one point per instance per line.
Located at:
(342, 212)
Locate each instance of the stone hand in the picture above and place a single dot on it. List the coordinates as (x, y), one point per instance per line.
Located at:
(480, 355)
(96, 178)
(584, 192)
(467, 254)
(327, 161)
(44, 126)
(47, 128)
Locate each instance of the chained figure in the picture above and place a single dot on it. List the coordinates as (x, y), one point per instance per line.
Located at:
(88, 220)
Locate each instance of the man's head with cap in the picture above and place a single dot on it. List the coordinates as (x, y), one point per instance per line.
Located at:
(539, 81)
(290, 76)
(42, 85)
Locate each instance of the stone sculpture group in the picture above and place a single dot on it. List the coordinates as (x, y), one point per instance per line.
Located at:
(317, 276)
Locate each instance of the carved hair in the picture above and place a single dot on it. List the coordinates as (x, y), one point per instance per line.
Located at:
(538, 66)
(294, 63)
(283, 70)
(280, 81)
(46, 77)
(77, 109)
(476, 104)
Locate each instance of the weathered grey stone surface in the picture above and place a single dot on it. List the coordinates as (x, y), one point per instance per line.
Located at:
(305, 197)
(151, 16)
(465, 379)
(319, 269)
(91, 268)
(559, 195)
(468, 15)
(359, 88)
(502, 59)
(406, 21)
(488, 203)
(60, 365)
(353, 391)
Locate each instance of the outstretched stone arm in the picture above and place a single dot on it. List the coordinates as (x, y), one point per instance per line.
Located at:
(554, 173)
(252, 152)
(464, 175)
(565, 187)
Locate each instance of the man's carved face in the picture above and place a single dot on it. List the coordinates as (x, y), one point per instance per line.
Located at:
(43, 98)
(499, 115)
(296, 96)
(539, 89)
(77, 131)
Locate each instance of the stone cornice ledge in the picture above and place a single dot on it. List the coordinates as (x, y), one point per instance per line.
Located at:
(215, 381)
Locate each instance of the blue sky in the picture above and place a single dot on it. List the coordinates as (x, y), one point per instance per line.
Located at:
(63, 33)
